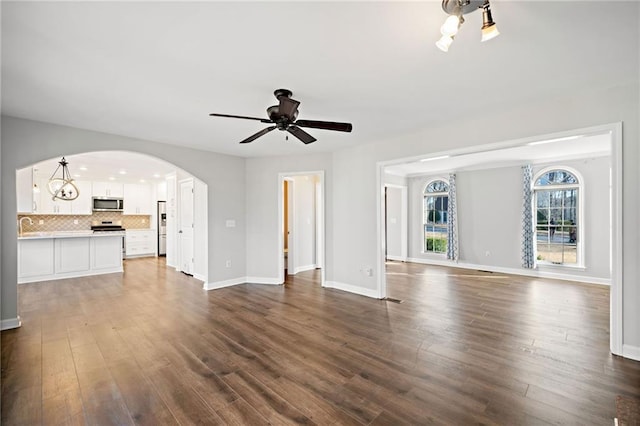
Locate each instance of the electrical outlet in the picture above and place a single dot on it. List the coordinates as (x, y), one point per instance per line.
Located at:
(144, 220)
(228, 264)
(41, 222)
(487, 253)
(75, 221)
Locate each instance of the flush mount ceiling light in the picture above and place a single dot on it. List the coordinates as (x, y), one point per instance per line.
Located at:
(62, 188)
(456, 9)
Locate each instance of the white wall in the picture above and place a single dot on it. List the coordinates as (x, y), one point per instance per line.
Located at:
(200, 230)
(489, 218)
(354, 234)
(26, 142)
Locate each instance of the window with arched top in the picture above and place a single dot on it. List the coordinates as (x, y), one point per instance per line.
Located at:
(557, 193)
(435, 205)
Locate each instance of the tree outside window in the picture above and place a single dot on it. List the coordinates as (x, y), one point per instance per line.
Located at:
(556, 211)
(435, 205)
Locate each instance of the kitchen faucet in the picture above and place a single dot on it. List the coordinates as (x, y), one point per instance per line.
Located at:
(20, 223)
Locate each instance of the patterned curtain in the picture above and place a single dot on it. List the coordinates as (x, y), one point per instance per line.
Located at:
(452, 221)
(528, 259)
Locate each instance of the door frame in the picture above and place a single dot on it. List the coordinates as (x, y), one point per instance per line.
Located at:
(321, 224)
(291, 224)
(404, 217)
(616, 288)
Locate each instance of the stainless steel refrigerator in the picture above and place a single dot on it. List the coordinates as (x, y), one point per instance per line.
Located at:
(162, 228)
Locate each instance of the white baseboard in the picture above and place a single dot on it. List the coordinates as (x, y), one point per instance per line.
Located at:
(8, 324)
(223, 284)
(240, 280)
(515, 271)
(352, 289)
(397, 258)
(304, 268)
(263, 280)
(200, 277)
(631, 352)
(66, 275)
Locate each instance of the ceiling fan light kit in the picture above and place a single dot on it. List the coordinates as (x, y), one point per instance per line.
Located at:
(284, 118)
(456, 9)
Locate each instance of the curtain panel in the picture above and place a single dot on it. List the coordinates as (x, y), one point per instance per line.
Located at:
(528, 259)
(452, 221)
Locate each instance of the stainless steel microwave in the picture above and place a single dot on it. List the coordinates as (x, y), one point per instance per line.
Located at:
(107, 204)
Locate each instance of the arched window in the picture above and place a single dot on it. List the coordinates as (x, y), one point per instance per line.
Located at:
(435, 205)
(557, 213)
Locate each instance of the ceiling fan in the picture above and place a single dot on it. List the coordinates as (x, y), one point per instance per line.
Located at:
(283, 117)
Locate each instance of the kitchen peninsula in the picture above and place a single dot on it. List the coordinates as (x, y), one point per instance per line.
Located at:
(67, 254)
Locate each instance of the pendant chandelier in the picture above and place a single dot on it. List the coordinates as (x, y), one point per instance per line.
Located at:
(456, 9)
(62, 187)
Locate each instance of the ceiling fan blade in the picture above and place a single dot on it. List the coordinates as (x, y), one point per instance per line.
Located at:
(288, 107)
(263, 120)
(326, 125)
(305, 137)
(257, 135)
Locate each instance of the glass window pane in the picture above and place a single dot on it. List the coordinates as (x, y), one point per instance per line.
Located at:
(556, 177)
(542, 198)
(437, 186)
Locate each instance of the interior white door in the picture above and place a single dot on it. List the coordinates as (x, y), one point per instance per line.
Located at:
(185, 226)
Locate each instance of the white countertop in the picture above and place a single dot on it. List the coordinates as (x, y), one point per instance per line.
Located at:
(69, 234)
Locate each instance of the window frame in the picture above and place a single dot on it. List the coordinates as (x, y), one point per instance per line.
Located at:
(579, 186)
(424, 223)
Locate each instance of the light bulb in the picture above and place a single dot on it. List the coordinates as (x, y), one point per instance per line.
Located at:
(489, 28)
(450, 26)
(490, 32)
(444, 43)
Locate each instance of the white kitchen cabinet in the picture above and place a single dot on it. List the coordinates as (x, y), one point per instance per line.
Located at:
(45, 204)
(107, 253)
(137, 199)
(35, 258)
(140, 242)
(68, 255)
(82, 204)
(107, 189)
(72, 255)
(24, 190)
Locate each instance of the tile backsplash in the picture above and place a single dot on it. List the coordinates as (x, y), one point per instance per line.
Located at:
(67, 222)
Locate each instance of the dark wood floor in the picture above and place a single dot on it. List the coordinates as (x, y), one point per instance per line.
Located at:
(151, 347)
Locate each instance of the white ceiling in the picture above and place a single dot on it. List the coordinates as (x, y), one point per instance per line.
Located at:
(156, 70)
(125, 167)
(553, 150)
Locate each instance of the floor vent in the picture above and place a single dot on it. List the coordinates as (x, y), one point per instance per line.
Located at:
(391, 299)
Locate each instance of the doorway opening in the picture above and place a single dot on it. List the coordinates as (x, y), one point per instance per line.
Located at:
(142, 183)
(551, 149)
(301, 237)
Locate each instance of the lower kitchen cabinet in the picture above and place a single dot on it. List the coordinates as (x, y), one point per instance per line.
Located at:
(44, 258)
(36, 258)
(140, 242)
(72, 254)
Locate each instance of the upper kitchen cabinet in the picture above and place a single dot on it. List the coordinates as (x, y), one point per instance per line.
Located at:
(108, 189)
(82, 204)
(43, 202)
(137, 199)
(24, 190)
